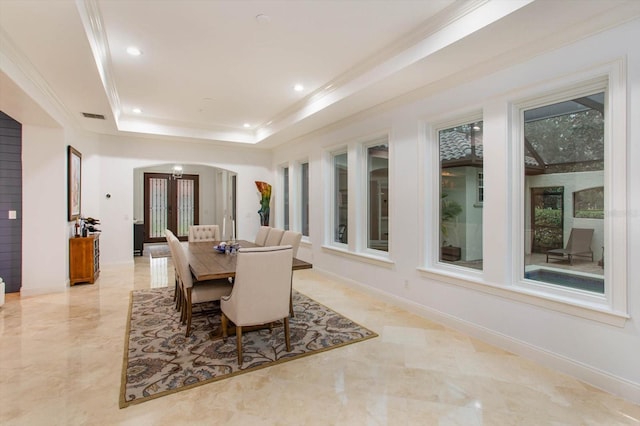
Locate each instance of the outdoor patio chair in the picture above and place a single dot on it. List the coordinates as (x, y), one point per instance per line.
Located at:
(579, 244)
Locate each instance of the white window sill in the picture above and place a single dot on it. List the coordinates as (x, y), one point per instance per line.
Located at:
(361, 257)
(593, 311)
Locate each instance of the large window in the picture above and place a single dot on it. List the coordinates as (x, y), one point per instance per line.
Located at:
(304, 199)
(340, 197)
(461, 194)
(564, 193)
(378, 197)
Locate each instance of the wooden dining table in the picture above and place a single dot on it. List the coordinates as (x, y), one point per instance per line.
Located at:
(207, 263)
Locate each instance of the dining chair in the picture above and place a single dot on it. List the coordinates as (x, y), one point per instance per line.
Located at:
(204, 233)
(293, 239)
(274, 237)
(176, 289)
(261, 236)
(195, 292)
(261, 292)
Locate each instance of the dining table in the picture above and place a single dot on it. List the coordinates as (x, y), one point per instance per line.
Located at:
(208, 263)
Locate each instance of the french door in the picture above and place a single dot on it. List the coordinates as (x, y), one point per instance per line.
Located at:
(169, 203)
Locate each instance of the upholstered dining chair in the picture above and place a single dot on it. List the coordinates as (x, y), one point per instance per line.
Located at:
(176, 290)
(204, 233)
(198, 292)
(291, 238)
(261, 291)
(274, 237)
(261, 236)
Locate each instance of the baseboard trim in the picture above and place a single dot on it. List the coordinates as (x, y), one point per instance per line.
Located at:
(619, 386)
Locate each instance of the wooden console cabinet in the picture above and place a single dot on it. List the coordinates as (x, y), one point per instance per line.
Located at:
(84, 259)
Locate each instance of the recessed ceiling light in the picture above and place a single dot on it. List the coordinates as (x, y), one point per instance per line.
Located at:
(134, 51)
(137, 110)
(246, 125)
(298, 87)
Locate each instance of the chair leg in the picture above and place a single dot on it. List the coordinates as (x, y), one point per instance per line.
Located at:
(175, 288)
(291, 314)
(188, 309)
(239, 340)
(224, 323)
(287, 338)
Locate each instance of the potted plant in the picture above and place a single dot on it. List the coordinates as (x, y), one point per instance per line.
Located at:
(449, 210)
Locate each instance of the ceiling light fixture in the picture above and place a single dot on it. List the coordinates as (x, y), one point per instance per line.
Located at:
(134, 51)
(137, 110)
(298, 87)
(246, 125)
(177, 171)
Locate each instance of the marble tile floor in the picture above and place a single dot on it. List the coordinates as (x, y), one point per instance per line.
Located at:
(61, 360)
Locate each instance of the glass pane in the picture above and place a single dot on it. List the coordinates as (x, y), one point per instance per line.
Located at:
(461, 195)
(341, 190)
(378, 194)
(158, 207)
(186, 206)
(304, 198)
(564, 193)
(285, 177)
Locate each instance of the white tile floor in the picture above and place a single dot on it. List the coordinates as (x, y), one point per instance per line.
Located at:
(61, 364)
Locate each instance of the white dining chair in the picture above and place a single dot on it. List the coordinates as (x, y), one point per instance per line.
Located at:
(293, 239)
(261, 292)
(204, 233)
(194, 292)
(274, 237)
(261, 236)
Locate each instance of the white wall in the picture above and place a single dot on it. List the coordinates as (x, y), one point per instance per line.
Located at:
(120, 156)
(207, 184)
(44, 210)
(602, 354)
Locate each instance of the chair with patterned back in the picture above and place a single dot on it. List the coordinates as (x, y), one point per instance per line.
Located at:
(204, 233)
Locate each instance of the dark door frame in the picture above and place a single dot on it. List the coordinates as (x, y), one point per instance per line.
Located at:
(172, 213)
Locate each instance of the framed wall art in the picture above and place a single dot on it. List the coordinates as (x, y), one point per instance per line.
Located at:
(74, 182)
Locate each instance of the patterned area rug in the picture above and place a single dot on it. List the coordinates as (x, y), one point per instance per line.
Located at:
(159, 360)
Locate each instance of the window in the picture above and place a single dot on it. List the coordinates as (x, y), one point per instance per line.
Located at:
(461, 189)
(340, 197)
(378, 197)
(285, 198)
(304, 199)
(564, 193)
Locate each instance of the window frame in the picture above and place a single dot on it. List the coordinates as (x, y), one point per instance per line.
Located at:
(300, 197)
(362, 243)
(284, 202)
(432, 258)
(332, 197)
(610, 307)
